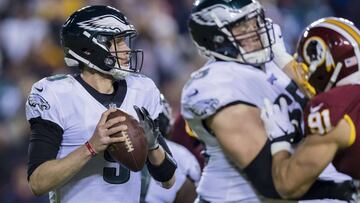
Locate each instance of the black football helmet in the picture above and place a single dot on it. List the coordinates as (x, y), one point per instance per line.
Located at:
(88, 34)
(211, 24)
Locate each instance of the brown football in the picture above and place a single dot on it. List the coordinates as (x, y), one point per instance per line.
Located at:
(133, 152)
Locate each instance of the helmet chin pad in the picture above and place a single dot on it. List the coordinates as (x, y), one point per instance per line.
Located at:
(256, 57)
(118, 74)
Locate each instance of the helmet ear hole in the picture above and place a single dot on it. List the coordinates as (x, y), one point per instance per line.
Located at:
(110, 61)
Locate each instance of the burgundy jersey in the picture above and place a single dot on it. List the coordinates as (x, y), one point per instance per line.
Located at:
(324, 112)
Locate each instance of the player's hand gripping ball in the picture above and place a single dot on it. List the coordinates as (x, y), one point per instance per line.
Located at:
(131, 153)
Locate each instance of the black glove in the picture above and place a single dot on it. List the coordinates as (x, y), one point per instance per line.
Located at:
(150, 127)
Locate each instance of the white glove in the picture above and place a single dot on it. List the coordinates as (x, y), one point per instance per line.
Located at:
(278, 126)
(281, 56)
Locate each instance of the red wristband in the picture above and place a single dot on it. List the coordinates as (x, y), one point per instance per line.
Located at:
(91, 150)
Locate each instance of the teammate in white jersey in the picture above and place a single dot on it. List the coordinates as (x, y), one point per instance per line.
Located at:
(187, 175)
(222, 102)
(68, 115)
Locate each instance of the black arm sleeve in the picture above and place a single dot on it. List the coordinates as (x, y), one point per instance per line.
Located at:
(45, 140)
(260, 175)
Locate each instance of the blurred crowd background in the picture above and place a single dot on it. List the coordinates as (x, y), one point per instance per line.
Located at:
(30, 50)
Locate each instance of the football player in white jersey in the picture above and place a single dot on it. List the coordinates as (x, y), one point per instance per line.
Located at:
(222, 100)
(68, 115)
(187, 175)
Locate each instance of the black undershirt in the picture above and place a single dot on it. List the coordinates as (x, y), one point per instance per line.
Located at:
(46, 136)
(44, 142)
(117, 97)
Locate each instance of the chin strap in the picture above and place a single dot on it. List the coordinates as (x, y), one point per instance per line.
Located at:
(334, 77)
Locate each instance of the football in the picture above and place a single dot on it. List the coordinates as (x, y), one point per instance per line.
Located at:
(133, 152)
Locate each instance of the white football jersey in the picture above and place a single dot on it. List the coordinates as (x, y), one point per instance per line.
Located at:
(217, 85)
(64, 101)
(187, 167)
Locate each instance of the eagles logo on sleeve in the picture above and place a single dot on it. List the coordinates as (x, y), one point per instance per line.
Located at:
(37, 100)
(204, 107)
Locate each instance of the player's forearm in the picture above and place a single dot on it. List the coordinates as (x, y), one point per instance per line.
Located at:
(294, 175)
(157, 158)
(287, 176)
(54, 173)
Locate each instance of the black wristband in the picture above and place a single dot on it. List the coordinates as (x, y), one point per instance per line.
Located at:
(165, 171)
